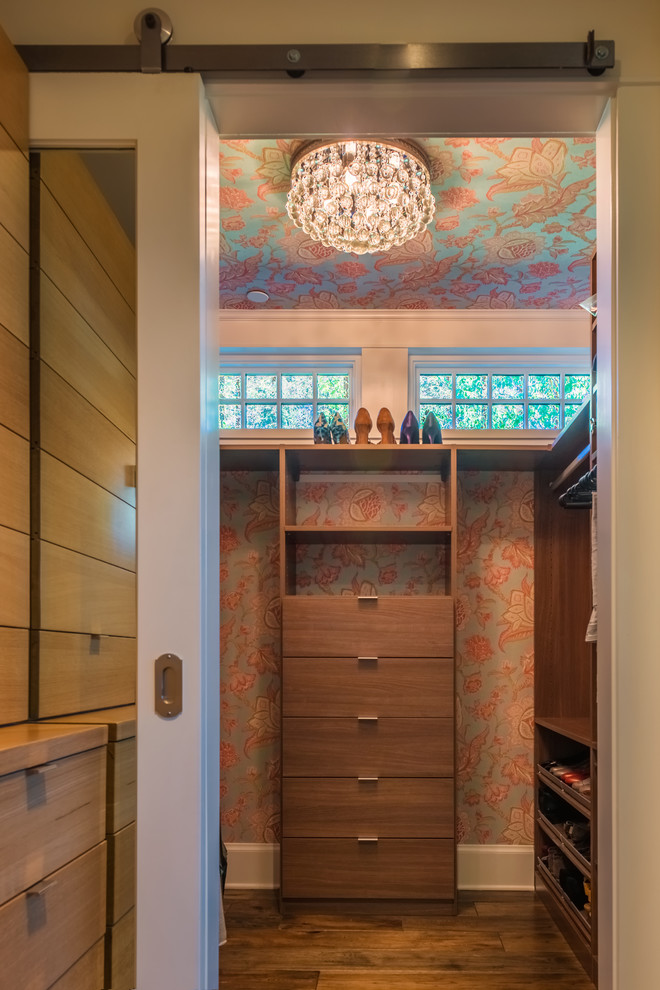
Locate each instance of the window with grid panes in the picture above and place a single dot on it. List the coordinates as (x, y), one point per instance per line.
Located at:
(282, 398)
(499, 399)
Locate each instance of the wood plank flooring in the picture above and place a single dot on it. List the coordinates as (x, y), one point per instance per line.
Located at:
(503, 941)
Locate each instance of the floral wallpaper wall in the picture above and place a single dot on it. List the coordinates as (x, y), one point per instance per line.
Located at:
(494, 633)
(514, 228)
(495, 658)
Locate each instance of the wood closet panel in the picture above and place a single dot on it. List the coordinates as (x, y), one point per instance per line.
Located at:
(14, 578)
(14, 674)
(80, 594)
(14, 276)
(82, 516)
(73, 349)
(14, 185)
(78, 673)
(69, 264)
(78, 434)
(14, 89)
(14, 383)
(14, 481)
(72, 186)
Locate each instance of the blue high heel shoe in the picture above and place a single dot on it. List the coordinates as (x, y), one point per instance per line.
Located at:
(339, 430)
(431, 432)
(322, 432)
(409, 428)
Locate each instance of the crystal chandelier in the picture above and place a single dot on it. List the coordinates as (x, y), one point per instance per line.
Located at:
(360, 196)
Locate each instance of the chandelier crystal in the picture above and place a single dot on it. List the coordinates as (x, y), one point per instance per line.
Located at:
(361, 196)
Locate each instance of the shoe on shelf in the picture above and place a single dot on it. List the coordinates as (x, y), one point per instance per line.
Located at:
(431, 432)
(322, 432)
(385, 425)
(363, 426)
(339, 430)
(409, 428)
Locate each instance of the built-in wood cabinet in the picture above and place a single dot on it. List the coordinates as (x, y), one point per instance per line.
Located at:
(566, 751)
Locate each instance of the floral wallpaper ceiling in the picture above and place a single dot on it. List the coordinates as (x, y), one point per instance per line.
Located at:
(514, 228)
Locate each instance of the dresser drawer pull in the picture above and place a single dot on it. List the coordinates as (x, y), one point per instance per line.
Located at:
(367, 780)
(39, 889)
(367, 659)
(44, 768)
(369, 719)
(367, 840)
(367, 598)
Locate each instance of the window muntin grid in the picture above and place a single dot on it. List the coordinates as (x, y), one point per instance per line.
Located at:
(485, 399)
(286, 399)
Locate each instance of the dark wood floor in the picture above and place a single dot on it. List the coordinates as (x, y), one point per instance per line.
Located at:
(496, 942)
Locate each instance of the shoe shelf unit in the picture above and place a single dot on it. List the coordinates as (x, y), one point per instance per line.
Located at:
(368, 678)
(565, 697)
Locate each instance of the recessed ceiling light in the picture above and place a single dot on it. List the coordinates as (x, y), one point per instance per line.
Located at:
(258, 296)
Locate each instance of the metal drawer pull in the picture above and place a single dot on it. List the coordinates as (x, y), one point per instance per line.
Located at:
(362, 659)
(368, 839)
(367, 598)
(44, 768)
(367, 780)
(40, 888)
(367, 718)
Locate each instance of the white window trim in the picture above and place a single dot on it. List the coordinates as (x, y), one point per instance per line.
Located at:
(574, 361)
(259, 360)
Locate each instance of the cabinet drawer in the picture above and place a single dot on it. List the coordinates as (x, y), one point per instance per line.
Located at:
(122, 784)
(87, 973)
(348, 626)
(49, 814)
(120, 953)
(121, 872)
(382, 807)
(45, 930)
(389, 868)
(351, 747)
(346, 686)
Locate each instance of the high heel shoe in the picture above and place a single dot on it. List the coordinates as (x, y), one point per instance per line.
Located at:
(431, 432)
(385, 425)
(322, 432)
(363, 426)
(409, 428)
(339, 430)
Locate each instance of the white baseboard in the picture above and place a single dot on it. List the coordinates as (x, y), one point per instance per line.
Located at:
(495, 867)
(253, 865)
(256, 866)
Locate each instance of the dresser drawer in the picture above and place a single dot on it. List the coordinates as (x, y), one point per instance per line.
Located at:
(45, 930)
(390, 868)
(122, 784)
(49, 814)
(382, 807)
(348, 626)
(383, 747)
(346, 686)
(87, 973)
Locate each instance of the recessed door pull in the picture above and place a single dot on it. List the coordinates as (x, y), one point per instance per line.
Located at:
(168, 685)
(367, 718)
(367, 839)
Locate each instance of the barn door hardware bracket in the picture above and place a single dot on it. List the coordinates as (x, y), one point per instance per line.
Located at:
(153, 30)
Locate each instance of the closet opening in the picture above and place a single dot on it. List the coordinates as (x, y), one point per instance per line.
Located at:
(436, 325)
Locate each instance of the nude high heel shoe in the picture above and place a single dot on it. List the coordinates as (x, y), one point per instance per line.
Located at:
(385, 425)
(363, 426)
